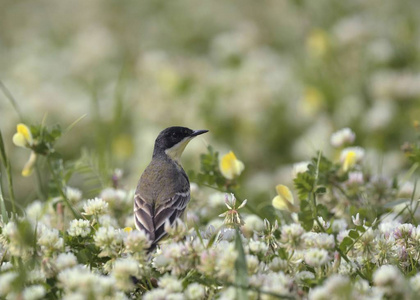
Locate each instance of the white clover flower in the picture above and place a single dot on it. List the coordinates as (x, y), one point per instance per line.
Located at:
(225, 264)
(74, 195)
(49, 240)
(228, 294)
(253, 223)
(388, 227)
(335, 287)
(177, 230)
(107, 220)
(403, 231)
(170, 283)
(315, 257)
(366, 243)
(175, 296)
(174, 257)
(303, 276)
(319, 293)
(122, 271)
(257, 247)
(208, 261)
(113, 196)
(300, 167)
(252, 263)
(291, 233)
(65, 260)
(34, 210)
(74, 296)
(390, 279)
(339, 225)
(79, 227)
(195, 291)
(415, 283)
(109, 240)
(82, 281)
(136, 241)
(227, 234)
(36, 275)
(415, 234)
(95, 207)
(216, 199)
(278, 283)
(6, 281)
(10, 230)
(161, 262)
(34, 292)
(318, 240)
(76, 278)
(155, 294)
(386, 249)
(278, 264)
(342, 137)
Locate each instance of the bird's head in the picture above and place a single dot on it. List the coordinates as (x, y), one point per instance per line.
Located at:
(173, 140)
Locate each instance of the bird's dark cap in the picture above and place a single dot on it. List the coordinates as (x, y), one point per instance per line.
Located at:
(172, 136)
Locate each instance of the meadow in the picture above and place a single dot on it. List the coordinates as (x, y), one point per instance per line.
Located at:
(305, 186)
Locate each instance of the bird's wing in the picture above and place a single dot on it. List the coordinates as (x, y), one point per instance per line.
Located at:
(143, 216)
(170, 209)
(152, 219)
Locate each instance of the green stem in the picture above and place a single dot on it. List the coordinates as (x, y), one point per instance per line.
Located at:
(40, 190)
(60, 189)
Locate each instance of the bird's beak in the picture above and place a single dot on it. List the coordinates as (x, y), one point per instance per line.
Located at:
(198, 132)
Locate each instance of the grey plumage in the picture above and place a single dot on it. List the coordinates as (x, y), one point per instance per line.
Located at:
(163, 191)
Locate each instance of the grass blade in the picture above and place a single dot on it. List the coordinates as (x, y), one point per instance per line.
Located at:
(12, 100)
(3, 206)
(6, 163)
(241, 278)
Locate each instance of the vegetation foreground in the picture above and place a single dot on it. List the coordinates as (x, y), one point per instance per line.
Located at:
(351, 234)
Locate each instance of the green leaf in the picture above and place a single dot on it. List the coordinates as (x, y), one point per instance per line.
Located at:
(321, 190)
(241, 278)
(323, 211)
(360, 228)
(304, 183)
(353, 234)
(347, 242)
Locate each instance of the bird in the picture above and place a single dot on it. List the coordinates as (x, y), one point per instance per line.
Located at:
(163, 190)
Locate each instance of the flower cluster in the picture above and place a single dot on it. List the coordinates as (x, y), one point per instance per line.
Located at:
(321, 242)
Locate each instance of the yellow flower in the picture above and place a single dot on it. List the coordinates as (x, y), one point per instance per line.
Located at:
(349, 160)
(351, 156)
(317, 42)
(128, 229)
(230, 166)
(284, 199)
(23, 136)
(29, 166)
(313, 100)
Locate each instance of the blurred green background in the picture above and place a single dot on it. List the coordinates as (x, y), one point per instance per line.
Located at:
(271, 80)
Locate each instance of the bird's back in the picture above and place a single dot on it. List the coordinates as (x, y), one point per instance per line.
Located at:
(162, 194)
